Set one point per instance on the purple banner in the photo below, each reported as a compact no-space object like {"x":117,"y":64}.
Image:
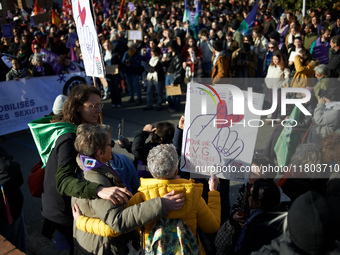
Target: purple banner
{"x":7,"y":31}
{"x":71,"y":40}
{"x":321,"y":53}
{"x":51,"y":58}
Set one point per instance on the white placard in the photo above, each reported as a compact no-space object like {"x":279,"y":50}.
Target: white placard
{"x":88,"y":38}
{"x":214,"y":139}
{"x":135,"y":35}
{"x":292,"y":55}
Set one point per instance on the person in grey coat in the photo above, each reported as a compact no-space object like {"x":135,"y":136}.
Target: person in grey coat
{"x":326,"y":117}
{"x":94,"y":145}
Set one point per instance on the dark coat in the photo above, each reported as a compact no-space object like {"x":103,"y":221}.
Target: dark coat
{"x":10,"y":179}
{"x":334,"y":63}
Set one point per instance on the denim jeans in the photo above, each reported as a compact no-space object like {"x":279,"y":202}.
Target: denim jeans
{"x":152,"y":85}
{"x":132,"y":81}
{"x":174,"y":101}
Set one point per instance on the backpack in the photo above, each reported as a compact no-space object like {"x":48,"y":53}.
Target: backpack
{"x":171,"y":236}
{"x":35,"y":180}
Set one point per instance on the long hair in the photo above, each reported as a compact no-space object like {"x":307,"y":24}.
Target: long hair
{"x":76,"y":98}
{"x":282,"y":61}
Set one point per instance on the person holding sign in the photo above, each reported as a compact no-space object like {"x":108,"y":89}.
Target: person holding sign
{"x":112,"y":61}
{"x":174,"y":76}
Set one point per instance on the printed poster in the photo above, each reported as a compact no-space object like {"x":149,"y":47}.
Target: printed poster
{"x":88,"y":38}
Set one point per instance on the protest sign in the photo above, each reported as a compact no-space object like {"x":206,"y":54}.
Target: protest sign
{"x":135,"y":35}
{"x":131,"y":6}
{"x":51,"y":58}
{"x":321,"y":53}
{"x":173,"y":90}
{"x":41,"y":18}
{"x":113,"y":69}
{"x":292,"y":55}
{"x":71,"y":40}
{"x":29,"y":99}
{"x":88,"y":38}
{"x":7,"y":30}
{"x":214,"y":139}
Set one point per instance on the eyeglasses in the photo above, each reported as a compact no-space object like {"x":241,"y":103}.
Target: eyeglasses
{"x":112,"y":144}
{"x":270,"y":47}
{"x":95,"y":106}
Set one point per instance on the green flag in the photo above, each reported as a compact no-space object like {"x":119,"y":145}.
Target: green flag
{"x":45,"y":134}
{"x":288,"y":140}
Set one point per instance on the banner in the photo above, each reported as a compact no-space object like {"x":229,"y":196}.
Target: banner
{"x":88,"y":38}
{"x":248,"y":22}
{"x":214,"y":139}
{"x":7,"y":31}
{"x":51,"y":58}
{"x":29,"y":99}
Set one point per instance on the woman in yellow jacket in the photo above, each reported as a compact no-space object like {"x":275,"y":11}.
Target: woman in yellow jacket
{"x":304,"y":69}
{"x":162,"y":164}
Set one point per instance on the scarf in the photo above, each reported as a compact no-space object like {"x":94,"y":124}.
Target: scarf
{"x":216,"y":57}
{"x":283,"y":29}
{"x":90,"y":163}
{"x":45,"y":134}
{"x":131,"y":52}
{"x":19,"y":73}
{"x":153,"y":75}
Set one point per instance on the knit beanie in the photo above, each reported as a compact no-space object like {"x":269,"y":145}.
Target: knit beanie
{"x":310,"y":224}
{"x":58,"y":104}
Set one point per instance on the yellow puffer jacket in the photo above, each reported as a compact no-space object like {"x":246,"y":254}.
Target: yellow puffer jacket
{"x":303,"y":72}
{"x":195,"y":211}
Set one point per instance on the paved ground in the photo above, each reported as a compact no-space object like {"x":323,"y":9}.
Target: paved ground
{"x":21,"y":146}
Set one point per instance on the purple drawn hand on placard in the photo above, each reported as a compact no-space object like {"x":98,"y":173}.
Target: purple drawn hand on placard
{"x":222,"y":145}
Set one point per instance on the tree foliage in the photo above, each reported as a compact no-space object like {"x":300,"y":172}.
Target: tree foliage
{"x":310,"y":4}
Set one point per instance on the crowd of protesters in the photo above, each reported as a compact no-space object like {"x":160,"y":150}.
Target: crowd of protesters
{"x":283,"y":47}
